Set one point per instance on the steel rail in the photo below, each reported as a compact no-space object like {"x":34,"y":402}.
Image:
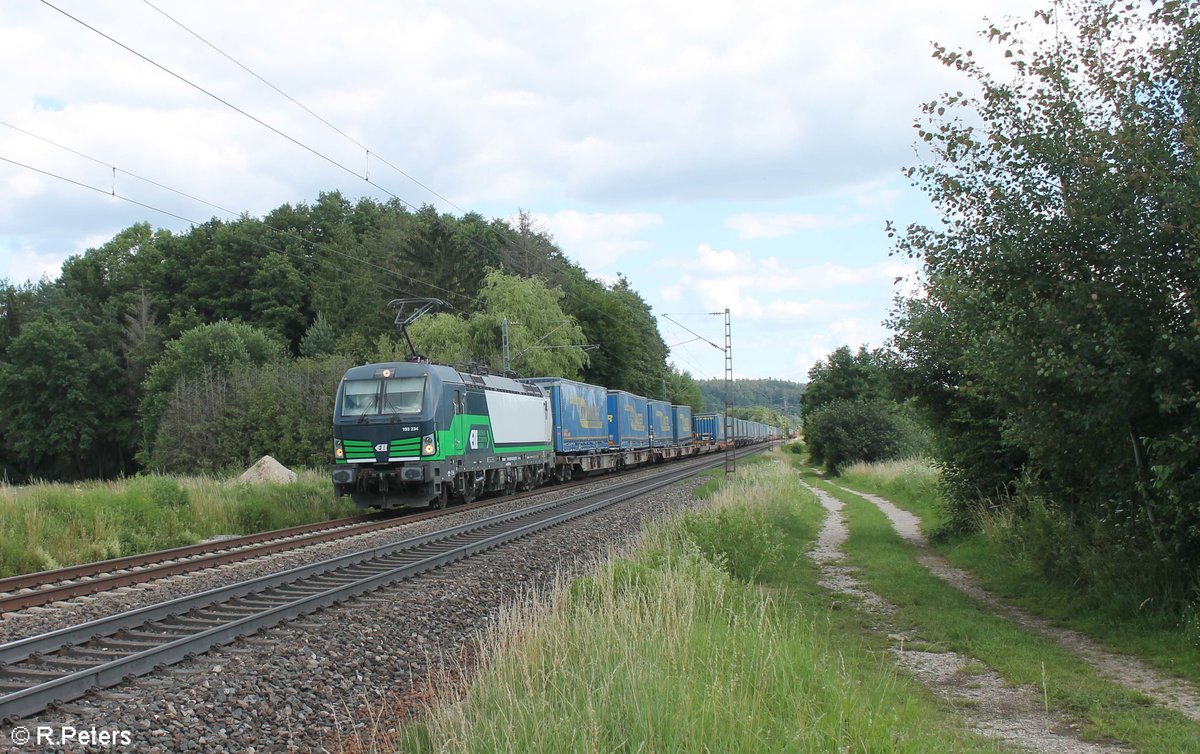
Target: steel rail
{"x":512,"y":525}
{"x":44,"y":587}
{"x":83,"y":570}
{"x":20,"y":649}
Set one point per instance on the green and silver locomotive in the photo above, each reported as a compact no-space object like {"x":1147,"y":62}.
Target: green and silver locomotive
{"x":410,"y":434}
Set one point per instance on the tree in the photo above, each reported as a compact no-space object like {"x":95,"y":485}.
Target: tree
{"x":278,"y":299}
{"x":843,"y":376}
{"x":631,"y":354}
{"x":215,"y":348}
{"x":58,"y":421}
{"x":1059,"y":308}
{"x":849,"y":415}
{"x":781,"y":396}
{"x":682,"y":390}
{"x":443,"y":338}
{"x":438,"y":251}
{"x":147,"y":287}
{"x":842,"y":432}
{"x":543,"y":340}
{"x":319,"y":339}
{"x":215,"y":421}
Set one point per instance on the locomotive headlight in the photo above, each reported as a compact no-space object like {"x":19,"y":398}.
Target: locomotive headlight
{"x":338,"y":451}
{"x":428,"y":446}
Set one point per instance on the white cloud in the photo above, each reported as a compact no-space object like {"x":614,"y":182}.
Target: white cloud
{"x":599,"y":240}
{"x":723,"y":262}
{"x":21,"y":263}
{"x":723,"y":272}
{"x":751,"y":226}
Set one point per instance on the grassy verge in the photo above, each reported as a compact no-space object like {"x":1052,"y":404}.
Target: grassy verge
{"x":712,"y":636}
{"x":45,"y":526}
{"x":999,"y":558}
{"x":912,"y":484}
{"x":944,"y":616}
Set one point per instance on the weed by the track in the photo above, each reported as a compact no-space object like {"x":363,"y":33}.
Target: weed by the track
{"x":45,"y":526}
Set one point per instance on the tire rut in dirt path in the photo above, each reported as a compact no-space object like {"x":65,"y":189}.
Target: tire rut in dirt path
{"x":991,"y":707}
{"x":1130,"y":672}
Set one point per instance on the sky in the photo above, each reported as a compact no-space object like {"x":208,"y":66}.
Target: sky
{"x":743,"y":156}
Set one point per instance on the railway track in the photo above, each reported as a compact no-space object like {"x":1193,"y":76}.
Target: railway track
{"x":65,"y":664}
{"x":42,"y":587}
{"x":45,"y":587}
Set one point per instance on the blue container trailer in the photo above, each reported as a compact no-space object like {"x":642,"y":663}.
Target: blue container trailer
{"x":659,"y":418}
{"x":709,"y":427}
{"x":627,"y":427}
{"x":682,"y":422}
{"x":580,"y":413}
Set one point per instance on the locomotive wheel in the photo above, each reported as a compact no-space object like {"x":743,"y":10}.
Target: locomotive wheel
{"x":471,"y":491}
{"x":439,"y":502}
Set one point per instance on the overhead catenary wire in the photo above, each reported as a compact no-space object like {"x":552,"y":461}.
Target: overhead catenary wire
{"x":232,"y":213}
{"x":106,"y":192}
{"x":693,"y":332}
{"x":682,"y":355}
{"x":368,"y":151}
{"x":116,"y":169}
{"x":354,"y":141}
{"x":302,"y":106}
{"x":263,"y":123}
{"x":295,"y":141}
{"x":113,"y":193}
{"x":254,"y":241}
{"x":225,"y":102}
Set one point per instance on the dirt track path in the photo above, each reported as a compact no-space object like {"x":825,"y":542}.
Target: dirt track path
{"x":1175,"y":693}
{"x":1013,"y":715}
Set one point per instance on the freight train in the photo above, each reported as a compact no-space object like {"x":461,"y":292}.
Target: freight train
{"x":415,"y":434}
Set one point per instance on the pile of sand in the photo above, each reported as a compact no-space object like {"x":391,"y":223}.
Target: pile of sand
{"x":267,"y":469}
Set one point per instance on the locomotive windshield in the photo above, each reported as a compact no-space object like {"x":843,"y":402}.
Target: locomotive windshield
{"x":395,"y":395}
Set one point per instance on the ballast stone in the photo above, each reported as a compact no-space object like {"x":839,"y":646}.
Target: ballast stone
{"x":267,"y":469}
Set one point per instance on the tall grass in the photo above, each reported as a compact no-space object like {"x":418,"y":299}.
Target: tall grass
{"x":914,"y":480}
{"x":44,"y":526}
{"x":707,"y":638}
{"x":1078,"y":571}
{"x":944,"y":616}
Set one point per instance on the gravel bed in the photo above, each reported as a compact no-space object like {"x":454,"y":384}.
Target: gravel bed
{"x":38,"y":620}
{"x":336,"y":679}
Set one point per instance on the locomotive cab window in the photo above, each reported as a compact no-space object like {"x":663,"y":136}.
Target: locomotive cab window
{"x":402,"y":395}
{"x":397,"y":395}
{"x":360,"y":397}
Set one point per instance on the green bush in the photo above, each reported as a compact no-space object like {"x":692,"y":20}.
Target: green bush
{"x":848,"y":431}
{"x":215,"y":422}
{"x":1108,"y":570}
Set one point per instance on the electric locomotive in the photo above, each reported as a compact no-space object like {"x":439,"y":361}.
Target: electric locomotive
{"x":410,"y":434}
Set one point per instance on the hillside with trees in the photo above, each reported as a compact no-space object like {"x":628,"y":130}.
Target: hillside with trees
{"x":206,"y":349}
{"x":778,"y":400}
